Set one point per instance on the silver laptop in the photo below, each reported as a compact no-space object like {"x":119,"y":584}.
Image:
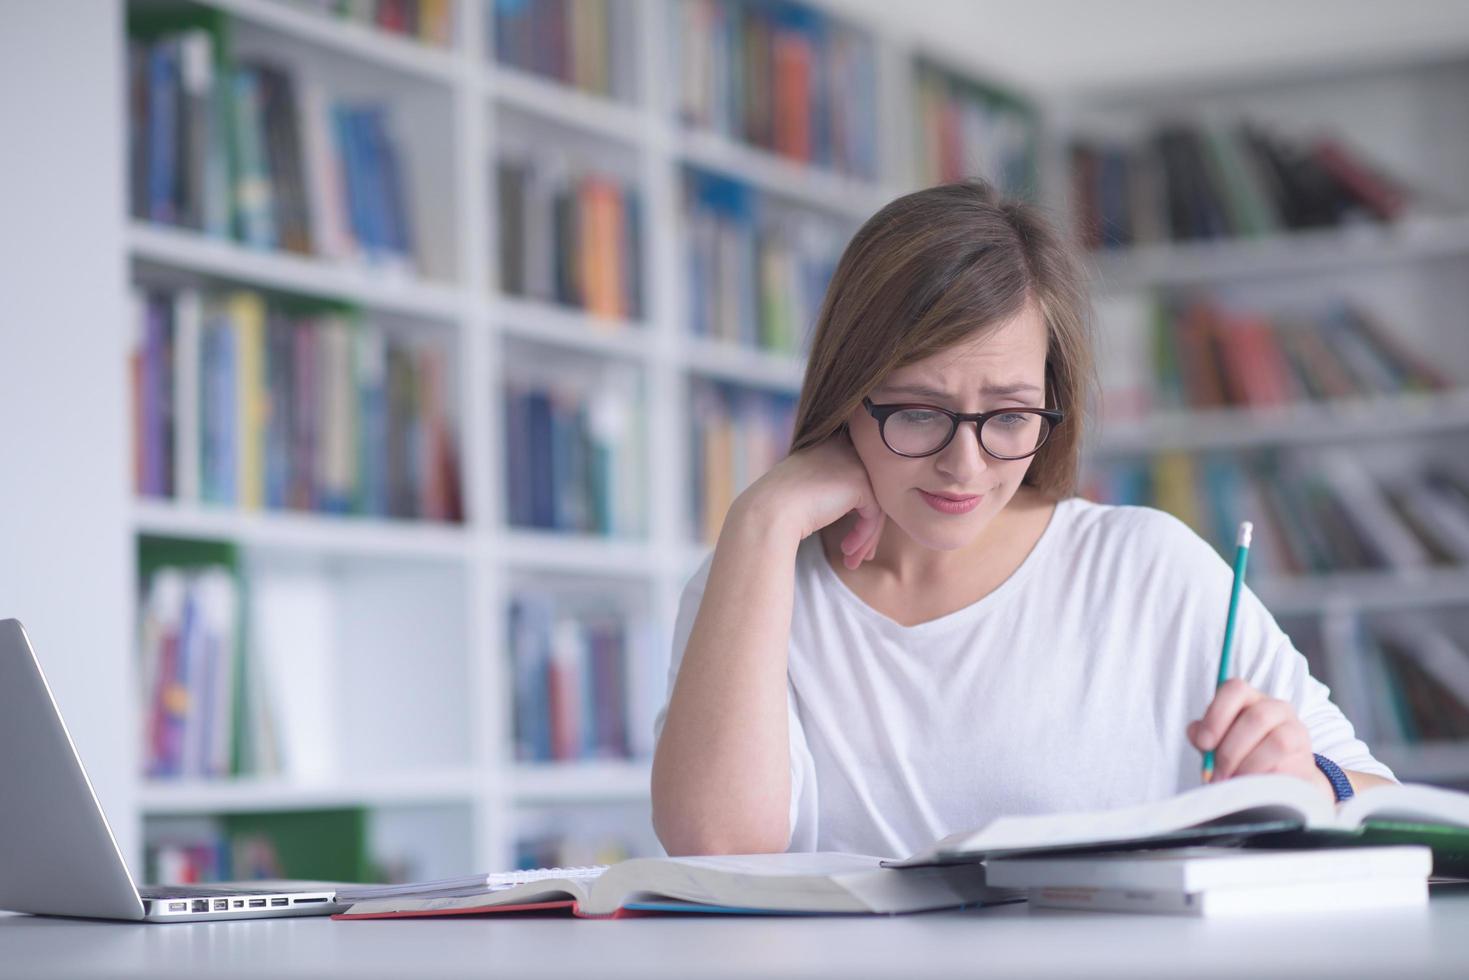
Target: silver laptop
{"x":57,"y":853}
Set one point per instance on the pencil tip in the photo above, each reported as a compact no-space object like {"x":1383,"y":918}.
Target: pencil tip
{"x":1208,"y":775}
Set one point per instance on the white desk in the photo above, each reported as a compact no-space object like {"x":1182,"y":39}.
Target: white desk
{"x":1004,"y":941}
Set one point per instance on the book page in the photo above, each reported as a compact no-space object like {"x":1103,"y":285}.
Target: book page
{"x":1242,"y":799}
{"x":1410,"y":804}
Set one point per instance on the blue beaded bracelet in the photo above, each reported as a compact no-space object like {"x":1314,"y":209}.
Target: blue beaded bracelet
{"x":1340,"y":785}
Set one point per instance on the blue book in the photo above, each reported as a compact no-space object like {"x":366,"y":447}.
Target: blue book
{"x":164,"y":87}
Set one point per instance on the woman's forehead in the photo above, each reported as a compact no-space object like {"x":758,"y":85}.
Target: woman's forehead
{"x":1007,"y":353}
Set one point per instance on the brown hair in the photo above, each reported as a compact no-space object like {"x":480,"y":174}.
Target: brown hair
{"x":926,"y":272}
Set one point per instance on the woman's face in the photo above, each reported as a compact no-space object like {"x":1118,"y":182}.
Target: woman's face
{"x":1004,"y":367}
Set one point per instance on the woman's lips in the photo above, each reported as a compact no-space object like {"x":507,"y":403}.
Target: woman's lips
{"x":951,"y":505}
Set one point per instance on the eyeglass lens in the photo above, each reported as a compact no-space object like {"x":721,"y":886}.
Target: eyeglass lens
{"x":917,"y":432}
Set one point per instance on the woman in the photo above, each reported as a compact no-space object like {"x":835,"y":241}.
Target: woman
{"x":911,"y":625}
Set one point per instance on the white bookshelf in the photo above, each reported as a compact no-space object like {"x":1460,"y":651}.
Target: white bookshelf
{"x":385,"y":577}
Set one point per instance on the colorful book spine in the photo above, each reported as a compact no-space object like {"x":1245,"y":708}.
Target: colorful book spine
{"x":572,"y":680}
{"x":968,"y":129}
{"x":571,"y":239}
{"x":575,"y":456}
{"x":782,"y":76}
{"x":757,"y":273}
{"x":736,"y":435}
{"x":240,"y":404}
{"x":1194,"y":181}
{"x":245,"y":152}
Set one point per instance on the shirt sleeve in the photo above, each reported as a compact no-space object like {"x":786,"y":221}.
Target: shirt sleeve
{"x":803,"y":790}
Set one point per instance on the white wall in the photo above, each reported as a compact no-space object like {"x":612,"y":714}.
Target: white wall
{"x":65,"y":562}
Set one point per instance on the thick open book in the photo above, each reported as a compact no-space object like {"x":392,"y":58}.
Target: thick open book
{"x":767,"y":883}
{"x":1239,"y":807}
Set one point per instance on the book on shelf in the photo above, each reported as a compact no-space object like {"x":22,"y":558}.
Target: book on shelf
{"x":1402,"y":680}
{"x":1187,"y":180}
{"x":574,"y":453}
{"x":966,"y":128}
{"x":736,"y":434}
{"x":1200,"y":354}
{"x":428,"y":21}
{"x":583,"y":682}
{"x":757,"y":270}
{"x":820,"y":883}
{"x":322,"y":845}
{"x":569,"y":236}
{"x":243,"y":149}
{"x":782,"y":76}
{"x":241,"y":401}
{"x":1211,"y":881}
{"x":587,"y":44}
{"x":1316,"y":511}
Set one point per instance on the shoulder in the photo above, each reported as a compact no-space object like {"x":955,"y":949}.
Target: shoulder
{"x":1139,"y":537}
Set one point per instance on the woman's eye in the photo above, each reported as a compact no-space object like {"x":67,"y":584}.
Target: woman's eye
{"x":915,"y":417}
{"x":1012,"y":418}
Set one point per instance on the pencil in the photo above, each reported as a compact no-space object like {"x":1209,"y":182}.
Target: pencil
{"x":1241,"y":558}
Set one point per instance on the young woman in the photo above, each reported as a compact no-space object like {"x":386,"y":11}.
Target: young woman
{"x":911,"y":625}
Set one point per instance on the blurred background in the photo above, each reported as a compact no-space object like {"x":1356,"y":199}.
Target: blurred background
{"x":375,"y":372}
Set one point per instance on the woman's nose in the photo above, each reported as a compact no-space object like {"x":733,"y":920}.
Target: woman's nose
{"x":963,"y":458}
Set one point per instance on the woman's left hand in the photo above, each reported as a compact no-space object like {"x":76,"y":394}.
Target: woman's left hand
{"x":1252,"y":733}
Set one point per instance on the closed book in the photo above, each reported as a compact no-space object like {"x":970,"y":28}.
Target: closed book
{"x":1308,"y":898}
{"x":1197,"y":869}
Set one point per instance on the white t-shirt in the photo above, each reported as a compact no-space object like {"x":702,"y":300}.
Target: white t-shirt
{"x":1067,"y":688}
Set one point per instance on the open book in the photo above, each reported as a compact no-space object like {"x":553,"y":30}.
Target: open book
{"x":1239,"y":807}
{"x":769,"y":883}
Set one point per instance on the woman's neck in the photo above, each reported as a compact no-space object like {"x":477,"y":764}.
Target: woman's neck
{"x":904,"y":563}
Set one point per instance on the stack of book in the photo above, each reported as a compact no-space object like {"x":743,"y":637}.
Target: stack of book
{"x":246,"y":152}
{"x":429,"y":21}
{"x":1314,"y":512}
{"x":241,"y":403}
{"x":736,"y":435}
{"x":1216,"y":881}
{"x":569,"y":238}
{"x":781,"y":76}
{"x":1201,"y":354}
{"x":968,"y":129}
{"x":583,"y":687}
{"x":1193,"y":181}
{"x":574,"y":454}
{"x":757,"y":271}
{"x":583,"y":43}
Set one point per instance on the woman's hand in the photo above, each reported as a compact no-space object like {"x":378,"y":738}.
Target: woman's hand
{"x":818,"y":486}
{"x":1252,"y":733}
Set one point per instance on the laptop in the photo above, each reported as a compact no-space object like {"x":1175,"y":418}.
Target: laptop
{"x":57,"y":852}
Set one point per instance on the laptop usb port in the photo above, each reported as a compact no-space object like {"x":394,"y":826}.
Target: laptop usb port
{"x":257,"y":903}
{"x":200,"y":905}
{"x":178,"y":906}
{"x":279,"y":901}
{"x":239,"y":903}
{"x":221,"y":905}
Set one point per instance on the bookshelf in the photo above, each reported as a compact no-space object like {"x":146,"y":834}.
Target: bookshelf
{"x":414,"y":613}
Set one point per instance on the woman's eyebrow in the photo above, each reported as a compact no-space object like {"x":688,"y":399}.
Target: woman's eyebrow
{"x":927,"y":391}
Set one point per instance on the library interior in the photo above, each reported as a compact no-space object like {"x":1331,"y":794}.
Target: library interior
{"x":375,"y":375}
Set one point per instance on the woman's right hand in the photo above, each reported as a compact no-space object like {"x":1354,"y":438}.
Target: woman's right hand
{"x":818,"y":486}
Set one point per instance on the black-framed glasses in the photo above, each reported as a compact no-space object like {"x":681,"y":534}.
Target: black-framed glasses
{"x":922,"y":430}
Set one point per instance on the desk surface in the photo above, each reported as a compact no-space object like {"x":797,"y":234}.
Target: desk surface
{"x":1002,"y":941}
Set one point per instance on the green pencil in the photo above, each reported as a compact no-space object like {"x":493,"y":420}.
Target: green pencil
{"x":1241,"y":557}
